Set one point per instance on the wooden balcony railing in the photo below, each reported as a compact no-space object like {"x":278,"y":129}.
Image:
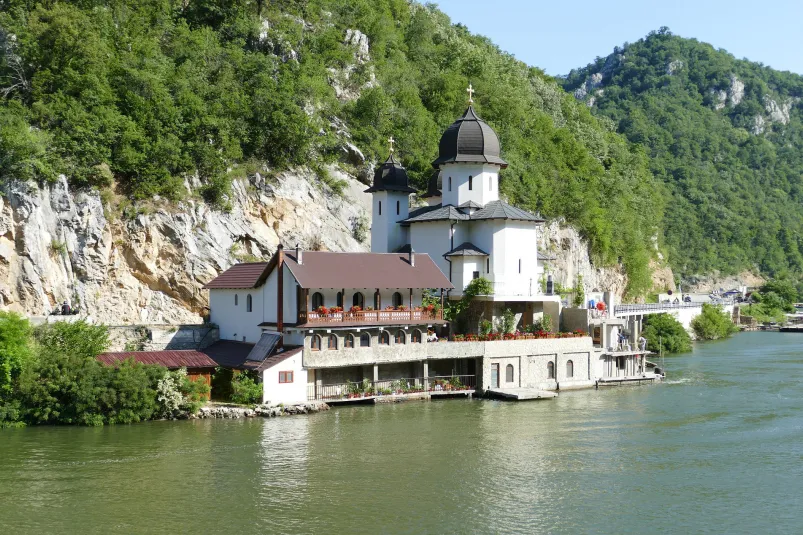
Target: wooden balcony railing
{"x":370,"y":316}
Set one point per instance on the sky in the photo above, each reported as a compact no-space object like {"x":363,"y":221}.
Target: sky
{"x":558,"y":36}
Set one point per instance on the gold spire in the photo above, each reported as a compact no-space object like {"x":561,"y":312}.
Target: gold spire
{"x":470,"y":92}
{"x":391,"y":141}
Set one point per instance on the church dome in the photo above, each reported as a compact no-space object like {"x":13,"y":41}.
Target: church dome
{"x":434,"y":186}
{"x":469,"y":140}
{"x":391,"y":176}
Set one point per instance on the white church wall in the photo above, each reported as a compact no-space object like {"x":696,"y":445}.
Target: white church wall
{"x":515,"y":262}
{"x":484,"y":183}
{"x":433,"y":239}
{"x":234,"y":321}
{"x":386,"y":234}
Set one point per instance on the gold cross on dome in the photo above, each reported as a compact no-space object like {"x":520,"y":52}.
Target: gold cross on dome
{"x":470,"y":92}
{"x":391,"y":141}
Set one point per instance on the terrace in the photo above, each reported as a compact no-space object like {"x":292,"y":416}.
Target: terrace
{"x":394,"y":389}
{"x":358,"y":316}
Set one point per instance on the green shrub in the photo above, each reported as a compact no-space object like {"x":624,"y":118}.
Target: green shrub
{"x":665,"y":333}
{"x":245,"y":389}
{"x":713,"y":323}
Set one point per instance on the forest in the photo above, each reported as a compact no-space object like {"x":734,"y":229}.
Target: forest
{"x":170,"y":100}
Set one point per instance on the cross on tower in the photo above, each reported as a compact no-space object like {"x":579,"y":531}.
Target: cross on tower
{"x":391,"y":141}
{"x":470,"y":92}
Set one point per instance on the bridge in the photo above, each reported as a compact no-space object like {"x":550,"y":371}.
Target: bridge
{"x":683,"y":312}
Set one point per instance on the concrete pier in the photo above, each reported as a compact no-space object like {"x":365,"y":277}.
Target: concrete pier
{"x":520,"y":394}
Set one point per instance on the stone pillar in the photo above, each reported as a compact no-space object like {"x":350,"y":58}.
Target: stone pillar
{"x":376,"y":372}
{"x":425,"y":366}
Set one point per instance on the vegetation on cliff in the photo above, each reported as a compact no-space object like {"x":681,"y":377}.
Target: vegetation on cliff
{"x":175,"y":99}
{"x":726,"y":138}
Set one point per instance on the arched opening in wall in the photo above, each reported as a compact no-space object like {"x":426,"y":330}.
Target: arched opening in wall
{"x":401,"y":338}
{"x":509,"y":373}
{"x":450,"y":183}
{"x":384,"y":338}
{"x":332,"y":341}
{"x":470,"y":182}
{"x":570,"y":369}
{"x":236,"y":299}
{"x":339,"y":300}
{"x":365,"y":340}
{"x":317,"y":300}
{"x":397,"y":299}
{"x":348,"y":342}
{"x":398,"y":207}
{"x":248,"y":303}
{"x":550,"y":370}
{"x":380,"y":207}
{"x":417,"y":336}
{"x":358,"y":300}
{"x":315,"y":343}
{"x":487,"y":265}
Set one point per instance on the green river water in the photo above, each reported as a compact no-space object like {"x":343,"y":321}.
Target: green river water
{"x":718,"y":448}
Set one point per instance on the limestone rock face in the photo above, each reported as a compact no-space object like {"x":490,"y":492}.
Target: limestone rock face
{"x":57,"y":245}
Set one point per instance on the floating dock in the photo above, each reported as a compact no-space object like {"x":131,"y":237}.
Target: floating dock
{"x":520,"y":394}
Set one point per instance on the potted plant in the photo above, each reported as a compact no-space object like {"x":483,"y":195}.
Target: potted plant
{"x":322,"y":310}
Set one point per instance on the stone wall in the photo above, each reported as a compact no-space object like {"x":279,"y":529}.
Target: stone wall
{"x":161,"y":337}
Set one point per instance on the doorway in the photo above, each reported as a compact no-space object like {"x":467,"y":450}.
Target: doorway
{"x":494,"y":375}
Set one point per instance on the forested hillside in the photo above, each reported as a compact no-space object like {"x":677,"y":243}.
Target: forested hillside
{"x":176,"y":99}
{"x":724,"y":135}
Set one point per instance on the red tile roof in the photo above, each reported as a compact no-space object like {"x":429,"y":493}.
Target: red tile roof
{"x":246,"y":275}
{"x":170,"y":359}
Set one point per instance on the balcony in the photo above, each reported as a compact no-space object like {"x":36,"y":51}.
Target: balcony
{"x":369,"y":317}
{"x":394,"y":388}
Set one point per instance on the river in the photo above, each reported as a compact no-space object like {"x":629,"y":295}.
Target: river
{"x":717,"y":448}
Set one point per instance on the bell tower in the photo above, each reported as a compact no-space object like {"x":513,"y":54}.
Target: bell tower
{"x":390,"y":204}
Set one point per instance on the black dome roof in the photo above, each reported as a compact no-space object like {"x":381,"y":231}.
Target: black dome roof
{"x":391,"y":176}
{"x":469,"y":139}
{"x":434,"y":186}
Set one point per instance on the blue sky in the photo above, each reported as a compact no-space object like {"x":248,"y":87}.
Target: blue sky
{"x":560,"y":35}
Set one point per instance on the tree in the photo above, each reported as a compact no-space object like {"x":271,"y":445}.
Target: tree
{"x":713,"y":323}
{"x":665,"y":333}
{"x":15,"y":354}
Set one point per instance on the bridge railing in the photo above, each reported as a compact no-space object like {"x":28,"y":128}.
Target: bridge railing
{"x":661,"y":307}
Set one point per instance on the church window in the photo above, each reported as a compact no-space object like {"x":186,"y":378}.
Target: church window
{"x":248,"y":303}
{"x":398,"y":207}
{"x":235,"y":299}
{"x":315,"y":343}
{"x":470,"y":182}
{"x":348,"y":342}
{"x":358,"y":300}
{"x":365,"y":340}
{"x":400,"y":338}
{"x":380,"y":207}
{"x":317,"y":300}
{"x":332,"y":341}
{"x":509,"y":373}
{"x":570,"y":369}
{"x":550,"y":370}
{"x":397,"y":299}
{"x":384,"y":338}
{"x":450,"y":183}
{"x":475,"y":275}
{"x":339,"y":300}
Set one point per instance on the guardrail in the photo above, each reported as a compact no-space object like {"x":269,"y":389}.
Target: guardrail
{"x":366,"y":389}
{"x":660,"y":307}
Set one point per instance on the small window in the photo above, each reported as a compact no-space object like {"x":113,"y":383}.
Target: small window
{"x":339,"y":300}
{"x":398,"y":207}
{"x":380,"y":207}
{"x":470,"y":182}
{"x":358,"y":300}
{"x":416,"y":338}
{"x":450,"y":183}
{"x":397,"y":299}
{"x":570,"y":369}
{"x":550,"y":370}
{"x":317,"y":300}
{"x":384,"y":338}
{"x":519,"y":265}
{"x":365,"y":340}
{"x":315,"y":343}
{"x":475,"y":275}
{"x":349,"y":341}
{"x":401,"y":338}
{"x":285,"y":377}
{"x":248,"y":303}
{"x":487,"y":265}
{"x":490,"y":184}
{"x":509,"y":373}
{"x":332,"y":341}
{"x":236,"y":298}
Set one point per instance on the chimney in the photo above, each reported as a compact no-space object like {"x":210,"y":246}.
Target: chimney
{"x":412,"y":257}
{"x":299,"y":260}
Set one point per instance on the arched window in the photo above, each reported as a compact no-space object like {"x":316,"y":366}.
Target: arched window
{"x":570,"y":369}
{"x":487,"y":265}
{"x":339,"y":300}
{"x":398,"y":207}
{"x":332,"y":341}
{"x":397,"y":299}
{"x":416,"y":338}
{"x":317,"y":300}
{"x":315,"y":343}
{"x":349,"y":341}
{"x":470,"y":182}
{"x":377,"y":300}
{"x":509,"y":373}
{"x":450,"y":183}
{"x":380,"y":207}
{"x":365,"y":340}
{"x":248,"y":303}
{"x":401,"y":338}
{"x":384,"y":338}
{"x":358,"y":300}
{"x":236,"y":298}
{"x":550,"y":370}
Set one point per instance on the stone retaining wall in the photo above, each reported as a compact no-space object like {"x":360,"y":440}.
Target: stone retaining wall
{"x":264,"y":411}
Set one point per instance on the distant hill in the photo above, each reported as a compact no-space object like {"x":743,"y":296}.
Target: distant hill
{"x":726,"y":138}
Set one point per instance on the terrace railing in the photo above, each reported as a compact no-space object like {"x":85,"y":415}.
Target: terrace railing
{"x":410,"y":386}
{"x":370,"y":316}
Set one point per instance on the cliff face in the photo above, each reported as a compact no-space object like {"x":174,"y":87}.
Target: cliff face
{"x":58,"y":245}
